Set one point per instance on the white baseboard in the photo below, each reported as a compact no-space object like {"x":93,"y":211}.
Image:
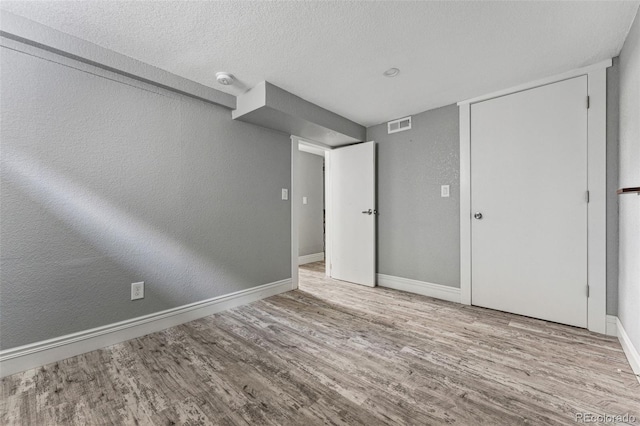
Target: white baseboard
{"x":611,"y":326}
{"x":437,"y":291}
{"x":310,"y":258}
{"x":37,"y":354}
{"x":629,"y":350}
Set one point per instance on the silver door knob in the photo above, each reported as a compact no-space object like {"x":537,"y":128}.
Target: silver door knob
{"x":478,"y":215}
{"x":369,"y":212}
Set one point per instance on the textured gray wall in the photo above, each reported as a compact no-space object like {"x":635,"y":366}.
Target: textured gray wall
{"x":310,"y":184}
{"x":629,"y":204}
{"x":613,"y":83}
{"x":105,"y":183}
{"x":418,"y":231}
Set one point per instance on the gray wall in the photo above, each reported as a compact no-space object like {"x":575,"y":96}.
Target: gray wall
{"x":613,"y":84}
{"x":311,"y":217}
{"x":108,"y":182}
{"x":418,"y":231}
{"x":629,"y":204}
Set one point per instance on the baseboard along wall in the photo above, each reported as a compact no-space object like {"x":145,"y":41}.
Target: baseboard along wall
{"x":632,"y":353}
{"x":310,"y":258}
{"x":36,"y":354}
{"x":438,"y":291}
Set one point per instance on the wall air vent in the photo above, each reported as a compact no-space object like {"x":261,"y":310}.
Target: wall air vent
{"x":399,"y":125}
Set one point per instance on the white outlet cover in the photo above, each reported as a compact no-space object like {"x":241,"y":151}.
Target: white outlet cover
{"x":285,"y":194}
{"x":304,"y":200}
{"x":444,"y":191}
{"x":137,"y":290}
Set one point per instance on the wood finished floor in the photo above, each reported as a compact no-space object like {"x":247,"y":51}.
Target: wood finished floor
{"x":336,"y":353}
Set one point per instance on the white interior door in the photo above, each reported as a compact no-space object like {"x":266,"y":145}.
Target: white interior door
{"x":529,"y":183}
{"x":353,"y":206}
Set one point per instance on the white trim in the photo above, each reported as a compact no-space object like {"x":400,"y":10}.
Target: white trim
{"x":629,"y":350}
{"x":313,"y":147}
{"x":310,"y":149}
{"x":314,"y":144}
{"x":328,"y":208}
{"x":424,"y":288}
{"x":541,"y":82}
{"x":597,"y":207}
{"x":596,"y":74}
{"x":310,"y":258}
{"x":31,"y":33}
{"x":465,"y":204}
{"x":612,"y":326}
{"x":37,"y":354}
{"x":295,"y":152}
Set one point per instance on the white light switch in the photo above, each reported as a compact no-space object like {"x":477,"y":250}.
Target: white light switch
{"x":304,"y":200}
{"x":137,"y":290}
{"x":285,"y":194}
{"x":444,"y":190}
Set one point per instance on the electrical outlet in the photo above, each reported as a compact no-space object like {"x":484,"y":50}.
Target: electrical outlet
{"x":444,"y":190}
{"x":285,"y":194}
{"x":137,"y":290}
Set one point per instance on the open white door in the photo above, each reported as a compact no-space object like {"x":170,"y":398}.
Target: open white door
{"x":353,"y":255}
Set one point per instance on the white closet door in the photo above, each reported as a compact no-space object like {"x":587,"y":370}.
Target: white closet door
{"x":529,"y":184}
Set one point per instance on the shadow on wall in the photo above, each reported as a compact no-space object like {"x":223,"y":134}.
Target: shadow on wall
{"x":125,"y":239}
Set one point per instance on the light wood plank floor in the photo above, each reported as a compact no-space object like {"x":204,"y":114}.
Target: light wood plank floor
{"x":336,"y":353}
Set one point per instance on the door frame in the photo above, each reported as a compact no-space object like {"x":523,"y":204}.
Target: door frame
{"x":597,"y":180}
{"x":296,"y":143}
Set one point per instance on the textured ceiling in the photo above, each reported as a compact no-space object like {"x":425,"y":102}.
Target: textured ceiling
{"x":334,"y":53}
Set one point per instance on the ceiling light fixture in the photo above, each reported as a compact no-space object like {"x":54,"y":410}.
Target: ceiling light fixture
{"x":224,"y":78}
{"x":391,"y":72}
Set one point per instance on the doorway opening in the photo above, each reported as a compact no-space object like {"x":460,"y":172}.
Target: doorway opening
{"x":311,"y":188}
{"x":310,"y":208}
{"x":333,"y":210}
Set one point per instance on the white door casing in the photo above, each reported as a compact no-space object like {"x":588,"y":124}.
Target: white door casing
{"x":529,"y":183}
{"x":353,"y":232}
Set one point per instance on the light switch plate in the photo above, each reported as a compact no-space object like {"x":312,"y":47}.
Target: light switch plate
{"x":444,"y":191}
{"x":285,"y":194}
{"x":137,"y":290}
{"x":304,"y":200}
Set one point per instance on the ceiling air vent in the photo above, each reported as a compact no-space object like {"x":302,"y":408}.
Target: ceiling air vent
{"x":399,"y":125}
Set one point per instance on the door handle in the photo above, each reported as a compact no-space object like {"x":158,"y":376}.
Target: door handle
{"x":369,"y":212}
{"x":478,"y":215}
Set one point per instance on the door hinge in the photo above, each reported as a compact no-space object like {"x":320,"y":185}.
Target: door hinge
{"x":587,"y":196}
{"x":587,"y":291}
{"x":588,"y":102}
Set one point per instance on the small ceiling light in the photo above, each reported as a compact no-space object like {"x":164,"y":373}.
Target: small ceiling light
{"x":391,"y":72}
{"x":224,"y":78}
